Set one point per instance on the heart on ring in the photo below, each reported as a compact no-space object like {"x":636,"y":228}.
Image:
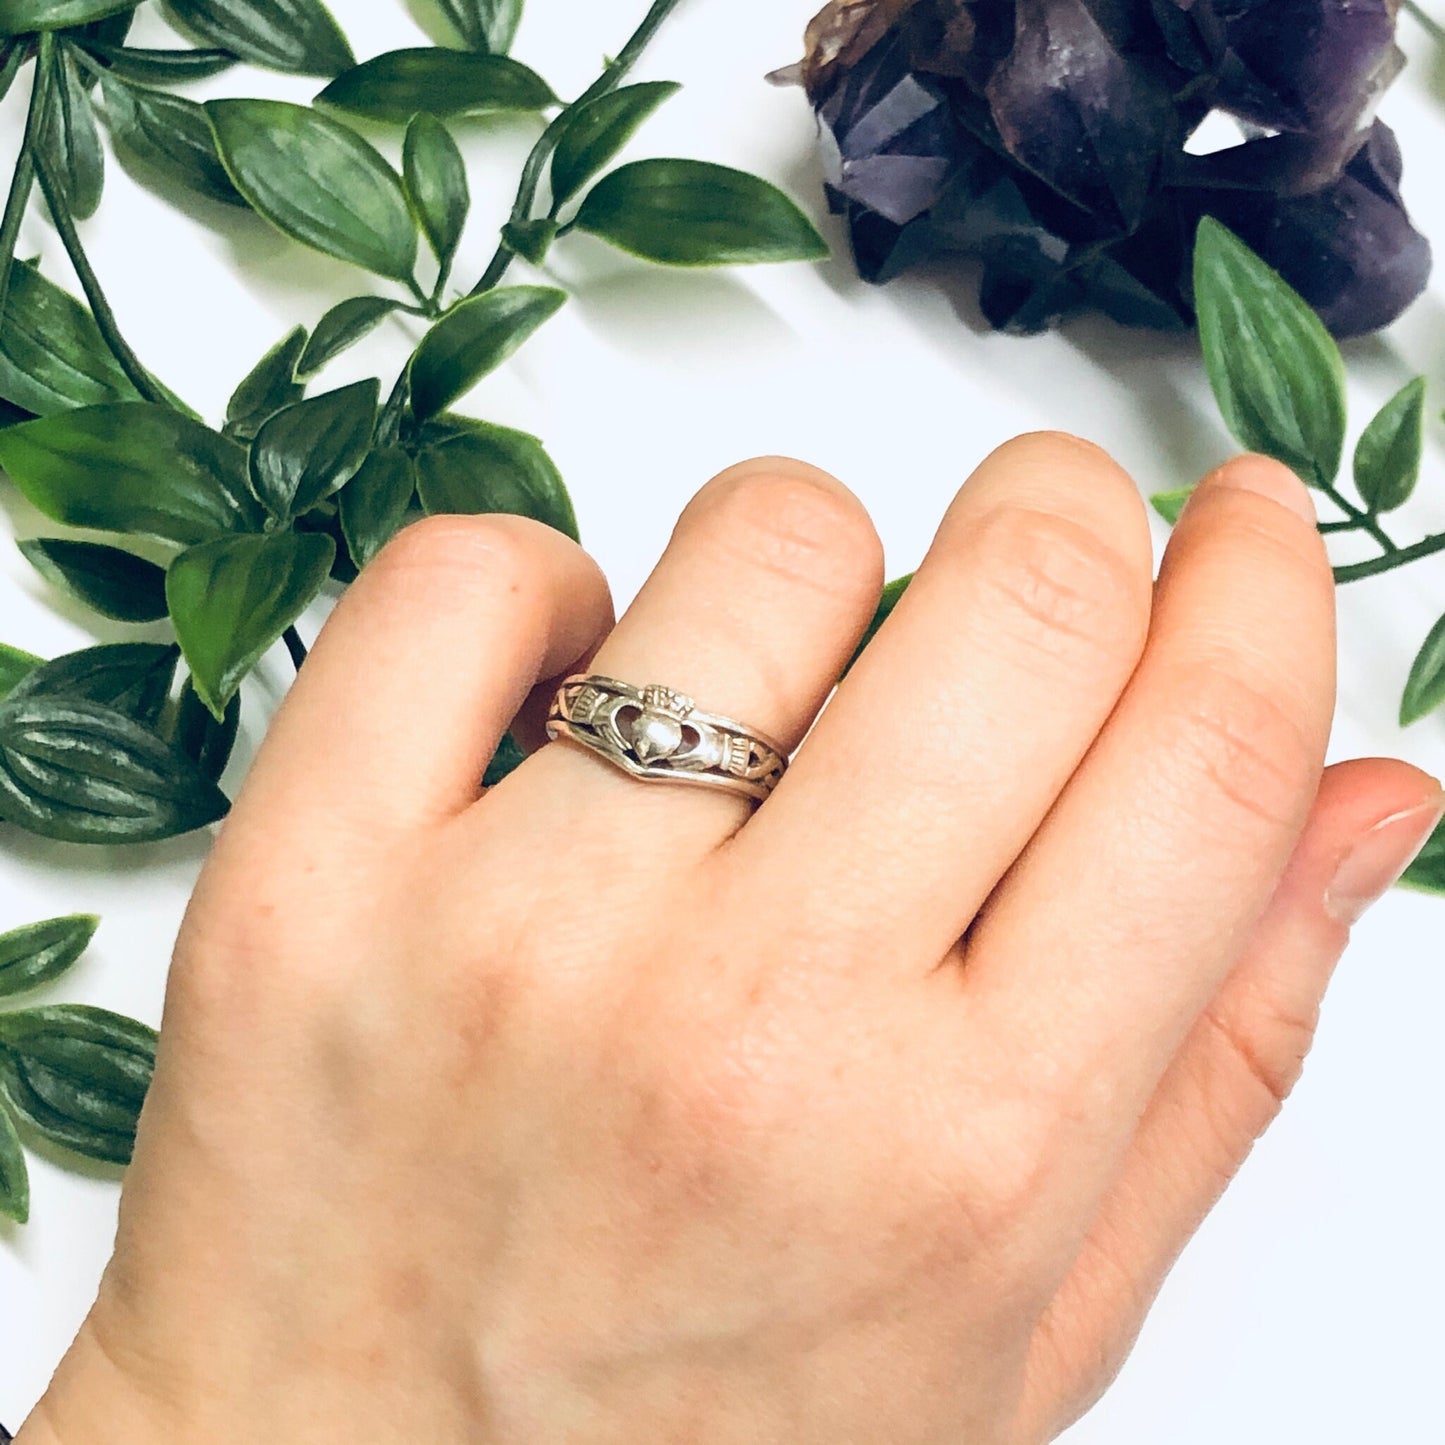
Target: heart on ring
{"x":655,"y":735}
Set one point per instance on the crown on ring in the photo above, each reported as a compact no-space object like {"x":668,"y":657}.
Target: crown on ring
{"x":666,"y":702}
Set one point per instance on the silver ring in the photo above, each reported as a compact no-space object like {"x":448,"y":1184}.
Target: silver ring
{"x":661,"y":736}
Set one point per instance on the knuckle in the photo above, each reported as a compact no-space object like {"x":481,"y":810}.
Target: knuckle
{"x":796,"y":523}
{"x":1263,"y":1058}
{"x":1061,"y":582}
{"x":1247,"y":744}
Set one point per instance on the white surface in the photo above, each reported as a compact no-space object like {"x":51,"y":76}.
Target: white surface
{"x":1308,"y":1310}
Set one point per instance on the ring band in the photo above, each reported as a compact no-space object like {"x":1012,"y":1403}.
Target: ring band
{"x":660,"y":736}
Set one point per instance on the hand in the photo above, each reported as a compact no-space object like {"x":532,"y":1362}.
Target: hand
{"x":594,"y":1112}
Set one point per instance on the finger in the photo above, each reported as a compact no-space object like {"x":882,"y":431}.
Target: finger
{"x":1227,"y":1083}
{"x":948,"y":743}
{"x":1121,"y":919}
{"x":771,"y":577}
{"x":418,"y":672}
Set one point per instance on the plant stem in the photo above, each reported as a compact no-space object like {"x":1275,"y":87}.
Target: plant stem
{"x":1427,"y":22}
{"x":23,"y":181}
{"x":1400,"y":557}
{"x":295,"y":647}
{"x":1359,"y":519}
{"x":609,"y":80}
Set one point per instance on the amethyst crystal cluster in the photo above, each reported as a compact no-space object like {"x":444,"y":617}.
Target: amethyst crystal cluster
{"x":1052,"y":140}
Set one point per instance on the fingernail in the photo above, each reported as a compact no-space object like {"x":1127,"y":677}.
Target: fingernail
{"x":1269,"y":479}
{"x":1374,"y":865}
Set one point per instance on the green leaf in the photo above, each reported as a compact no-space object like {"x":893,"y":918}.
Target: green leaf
{"x":296,"y":36}
{"x":1170,"y":505}
{"x":52,"y":355}
{"x":15,"y":665}
{"x":1425,"y":690}
{"x":318,"y":181}
{"x":169,"y":135}
{"x":14,"y":1176}
{"x":1387,"y":460}
{"x":342,"y":327}
{"x":165,"y":475}
{"x":310,"y":450}
{"x":133,"y":678}
{"x":41,"y":952}
{"x":113,"y":582}
{"x":80,"y":772}
{"x":1276,"y":372}
{"x":594,"y":133}
{"x":161,"y":67}
{"x":17,"y":17}
{"x":374,"y":503}
{"x":70,"y":141}
{"x":531,"y":239}
{"x":435,"y":177}
{"x":692,"y":213}
{"x":892,"y":596}
{"x":399,"y":84}
{"x":1427,"y":873}
{"x":78,"y":1076}
{"x":474,"y":339}
{"x":488,"y":468}
{"x":486,"y":25}
{"x":507,"y":759}
{"x":206,"y":740}
{"x":269,"y":386}
{"x":231,"y":600}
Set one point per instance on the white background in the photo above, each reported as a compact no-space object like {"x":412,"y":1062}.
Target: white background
{"x":1308,"y":1310}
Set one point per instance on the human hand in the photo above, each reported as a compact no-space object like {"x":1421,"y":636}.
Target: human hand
{"x":597,"y":1112}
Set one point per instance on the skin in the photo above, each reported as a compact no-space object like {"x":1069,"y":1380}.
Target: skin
{"x":587,"y":1111}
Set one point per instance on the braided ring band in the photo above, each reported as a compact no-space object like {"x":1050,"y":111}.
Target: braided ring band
{"x":660,"y":736}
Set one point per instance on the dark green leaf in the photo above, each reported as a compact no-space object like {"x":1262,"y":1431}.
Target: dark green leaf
{"x":70,"y":140}
{"x":317,"y":181}
{"x":397,"y":85}
{"x":170,"y":135}
{"x":52,"y":355}
{"x":19,"y":16}
{"x":208,"y":742}
{"x":297,"y":36}
{"x":1387,"y":460}
{"x":475,"y":339}
{"x":342,"y":327}
{"x":113,"y":582}
{"x":531,"y":239}
{"x":131,"y":677}
{"x":486,"y":25}
{"x":1427,"y":873}
{"x":14,"y":1176}
{"x":594,"y":133}
{"x":1276,"y":372}
{"x":270,"y":385}
{"x":507,"y":759}
{"x":493,"y":469}
{"x":310,"y":450}
{"x":80,"y":772}
{"x":231,"y":600}
{"x":12,"y":415}
{"x":692,"y":213}
{"x":892,"y":596}
{"x":112,"y":30}
{"x":1425,"y":691}
{"x":1170,"y":505}
{"x":14,"y":665}
{"x":78,"y":1076}
{"x":40,"y":952}
{"x":435,"y":177}
{"x":165,"y":475}
{"x":374,"y":502}
{"x":161,"y":67}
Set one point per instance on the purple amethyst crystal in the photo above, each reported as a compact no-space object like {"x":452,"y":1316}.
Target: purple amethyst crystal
{"x":1050,"y":139}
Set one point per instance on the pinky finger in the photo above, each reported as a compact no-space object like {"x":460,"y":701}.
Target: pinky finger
{"x":1228,"y":1082}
